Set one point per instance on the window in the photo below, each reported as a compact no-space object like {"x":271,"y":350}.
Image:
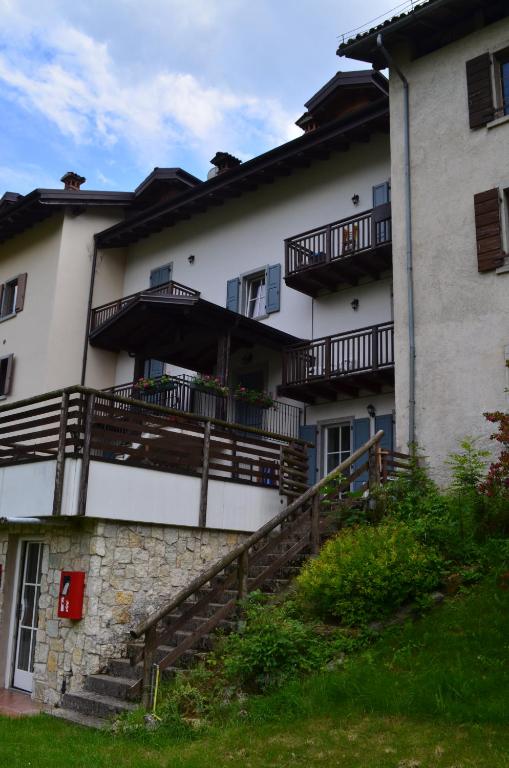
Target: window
{"x":337,"y":445}
{"x":254,"y":296}
{"x":6,"y":368}
{"x":12,"y":296}
{"x":503,"y":84}
{"x":488,"y":87}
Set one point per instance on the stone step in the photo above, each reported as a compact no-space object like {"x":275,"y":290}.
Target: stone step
{"x":72,"y":716}
{"x":111,"y":685}
{"x":96,"y":704}
{"x":124,"y":668}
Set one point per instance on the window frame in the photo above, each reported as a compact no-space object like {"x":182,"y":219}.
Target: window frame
{"x":247,"y":280}
{"x":501,"y":59}
{"x":6,"y":378}
{"x":342,"y":453}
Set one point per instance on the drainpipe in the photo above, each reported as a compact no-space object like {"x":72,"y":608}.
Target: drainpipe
{"x":89,"y":315}
{"x":408,"y":236}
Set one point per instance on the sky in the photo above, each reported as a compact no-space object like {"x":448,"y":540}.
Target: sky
{"x":112,"y":88}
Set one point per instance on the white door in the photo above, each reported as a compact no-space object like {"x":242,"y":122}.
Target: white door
{"x":27,"y":613}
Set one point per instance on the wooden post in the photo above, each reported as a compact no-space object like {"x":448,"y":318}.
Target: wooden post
{"x":374,"y":348}
{"x":60,"y":465}
{"x":243,"y":568}
{"x":148,"y":660}
{"x":378,"y":463}
{"x":328,"y":243}
{"x":315,"y":524}
{"x":85,"y":456}
{"x":374,"y":466}
{"x":327,"y":354}
{"x":223,"y":358}
{"x":202,"y":517}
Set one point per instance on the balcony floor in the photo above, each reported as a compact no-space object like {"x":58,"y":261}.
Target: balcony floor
{"x":342,"y":386}
{"x":349,"y":270}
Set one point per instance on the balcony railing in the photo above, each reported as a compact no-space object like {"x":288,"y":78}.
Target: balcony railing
{"x":182,"y":394}
{"x":339,"y":251}
{"x":106,"y":312}
{"x":344,"y":355}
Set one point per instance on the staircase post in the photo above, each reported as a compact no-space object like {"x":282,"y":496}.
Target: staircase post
{"x":243,"y":568}
{"x":148,"y":660}
{"x":315,"y":524}
{"x":374,"y":466}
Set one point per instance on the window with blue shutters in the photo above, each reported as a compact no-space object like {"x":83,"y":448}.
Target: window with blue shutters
{"x":256,"y":294}
{"x":161,"y":275}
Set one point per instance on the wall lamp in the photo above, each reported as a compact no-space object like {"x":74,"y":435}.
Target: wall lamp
{"x":355,"y":199}
{"x":191,"y":258}
{"x":355,"y":304}
{"x":371,"y":411}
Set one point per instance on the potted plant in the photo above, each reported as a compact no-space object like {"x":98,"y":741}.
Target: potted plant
{"x":212,"y":384}
{"x":254,"y":397}
{"x":147,"y":384}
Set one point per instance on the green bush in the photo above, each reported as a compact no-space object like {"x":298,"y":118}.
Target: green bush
{"x":274,"y":646}
{"x":365,"y":573}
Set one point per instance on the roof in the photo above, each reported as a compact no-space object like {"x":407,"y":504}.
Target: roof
{"x":427,"y":27}
{"x":18,"y":212}
{"x":182,"y":330}
{"x":281,"y":161}
{"x":357,"y":78}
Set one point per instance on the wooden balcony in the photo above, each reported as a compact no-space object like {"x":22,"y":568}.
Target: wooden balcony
{"x":345,"y":365}
{"x":107,"y":312}
{"x":343,"y":253}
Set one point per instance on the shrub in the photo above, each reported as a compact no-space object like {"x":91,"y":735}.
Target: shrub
{"x":467,"y":466}
{"x":365,"y":573}
{"x":497,"y":481}
{"x":274,"y":646}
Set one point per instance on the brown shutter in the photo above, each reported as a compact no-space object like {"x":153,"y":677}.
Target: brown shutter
{"x":488,"y":230}
{"x":8,"y":375}
{"x":481,"y":108}
{"x":20,"y":296}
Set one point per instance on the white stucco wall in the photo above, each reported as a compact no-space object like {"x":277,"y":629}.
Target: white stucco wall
{"x":461,"y":316}
{"x":48,"y":336}
{"x":26,"y":490}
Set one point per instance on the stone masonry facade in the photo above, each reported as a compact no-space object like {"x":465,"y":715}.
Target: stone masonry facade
{"x":131,"y":569}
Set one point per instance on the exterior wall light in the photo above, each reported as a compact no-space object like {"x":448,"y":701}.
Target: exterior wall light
{"x":190,"y":258}
{"x":355,"y":199}
{"x":355,"y":304}
{"x":371,"y":411}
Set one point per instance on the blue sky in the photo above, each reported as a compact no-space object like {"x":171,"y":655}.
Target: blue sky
{"x":112,"y":88}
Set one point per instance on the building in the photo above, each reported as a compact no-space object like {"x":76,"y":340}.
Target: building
{"x":256,"y":305}
{"x":453,"y":57}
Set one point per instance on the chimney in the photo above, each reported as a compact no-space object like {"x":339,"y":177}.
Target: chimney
{"x":72,"y":181}
{"x":224,"y":161}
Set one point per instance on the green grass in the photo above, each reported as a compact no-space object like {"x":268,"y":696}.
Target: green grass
{"x":427,"y":695}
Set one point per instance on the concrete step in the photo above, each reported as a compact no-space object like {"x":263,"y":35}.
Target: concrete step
{"x":87,"y":721}
{"x":114,"y":686}
{"x":96,"y":704}
{"x":124,"y":668}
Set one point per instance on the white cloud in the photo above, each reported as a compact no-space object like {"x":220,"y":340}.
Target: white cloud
{"x":71,"y":79}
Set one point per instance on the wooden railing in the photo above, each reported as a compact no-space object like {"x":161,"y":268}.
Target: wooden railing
{"x":297,"y":527}
{"x":338,"y":240}
{"x":365,"y":349}
{"x":107,"y":311}
{"x":85,"y":423}
{"x":182,"y":394}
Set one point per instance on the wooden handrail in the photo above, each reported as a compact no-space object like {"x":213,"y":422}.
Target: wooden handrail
{"x":344,"y":334}
{"x":124,"y":299}
{"x":235,"y":553}
{"x":323,"y":228}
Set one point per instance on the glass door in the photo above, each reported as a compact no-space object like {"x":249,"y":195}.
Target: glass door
{"x":27,"y":613}
{"x":337,"y":445}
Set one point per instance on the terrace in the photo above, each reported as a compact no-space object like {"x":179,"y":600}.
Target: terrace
{"x":346,"y":364}
{"x":342,"y":253}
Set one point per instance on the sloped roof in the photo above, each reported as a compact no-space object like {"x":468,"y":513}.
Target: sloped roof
{"x":427,"y":27}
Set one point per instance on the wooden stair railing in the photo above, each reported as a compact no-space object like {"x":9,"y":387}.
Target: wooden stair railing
{"x":299,"y":526}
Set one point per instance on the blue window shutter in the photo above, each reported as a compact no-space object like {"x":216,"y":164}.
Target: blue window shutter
{"x":361,"y":429}
{"x":308,"y":432}
{"x":381,"y":194}
{"x":385,"y":422}
{"x":233,"y":294}
{"x":160,"y":275}
{"x":273,"y":295}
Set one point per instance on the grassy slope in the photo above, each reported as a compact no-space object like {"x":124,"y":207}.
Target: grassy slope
{"x":429,"y":694}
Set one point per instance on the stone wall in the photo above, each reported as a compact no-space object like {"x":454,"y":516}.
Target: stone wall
{"x":130,"y":571}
